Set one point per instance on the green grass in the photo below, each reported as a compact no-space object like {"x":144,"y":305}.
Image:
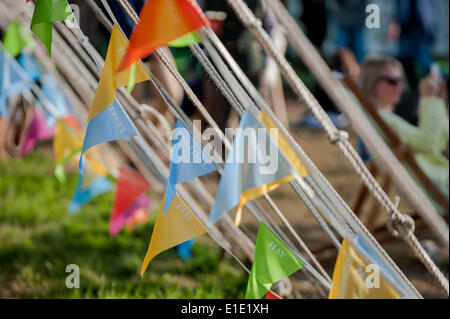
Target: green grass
{"x":39,"y":238}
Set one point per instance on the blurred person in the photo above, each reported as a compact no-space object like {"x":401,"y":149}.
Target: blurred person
{"x":383,"y":81}
{"x":413,"y":27}
{"x":350,"y":23}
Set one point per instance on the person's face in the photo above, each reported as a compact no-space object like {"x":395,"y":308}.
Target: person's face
{"x":389,"y":87}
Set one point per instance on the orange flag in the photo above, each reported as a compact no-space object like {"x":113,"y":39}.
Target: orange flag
{"x":162,"y":21}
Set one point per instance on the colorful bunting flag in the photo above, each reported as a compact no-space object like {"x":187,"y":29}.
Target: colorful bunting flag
{"x":188,"y":160}
{"x":129,"y":215}
{"x":245,"y":176}
{"x":186,"y":40}
{"x":52,"y":92}
{"x":69,"y":138}
{"x":109,"y":81}
{"x":109,"y":125}
{"x":273,"y":261}
{"x":83,"y":195}
{"x":17,"y":38}
{"x":350,"y":278}
{"x":45,"y":13}
{"x":162,"y":21}
{"x":178,"y":225}
{"x":30,"y":66}
{"x":13,"y":80}
{"x":271,"y":295}
{"x":129,"y":198}
{"x":38,"y":130}
{"x":185,"y":249}
{"x":284,"y":145}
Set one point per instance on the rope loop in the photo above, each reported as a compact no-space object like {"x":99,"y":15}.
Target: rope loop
{"x":401,"y":226}
{"x":339,"y":136}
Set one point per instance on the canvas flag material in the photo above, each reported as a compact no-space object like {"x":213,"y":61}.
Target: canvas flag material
{"x":53,"y":93}
{"x":30,"y":66}
{"x":13,"y":80}
{"x":350,"y":278}
{"x":45,"y":13}
{"x":271,"y":295}
{"x":188,"y":160}
{"x":16,"y":39}
{"x":130,"y":187}
{"x":69,"y":137}
{"x":273,"y":261}
{"x":110,"y":125}
{"x":38,"y":130}
{"x":83,"y":195}
{"x":284,"y":146}
{"x":186,"y":40}
{"x":122,"y":219}
{"x":185,"y":249}
{"x":160,"y":22}
{"x":245,"y":176}
{"x":109,"y":81}
{"x":178,"y":225}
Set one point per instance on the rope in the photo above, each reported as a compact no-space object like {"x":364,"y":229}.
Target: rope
{"x":248,"y":19}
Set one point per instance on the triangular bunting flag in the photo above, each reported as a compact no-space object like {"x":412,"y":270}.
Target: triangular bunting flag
{"x":53,"y":93}
{"x":83,"y":195}
{"x":185,"y":249}
{"x":186,"y":40}
{"x":30,"y":66}
{"x":162,"y":21}
{"x":130,"y":186}
{"x":13,"y":80}
{"x":178,"y":225}
{"x":16,"y":39}
{"x":245,"y":176}
{"x":45,"y":13}
{"x":38,"y":130}
{"x":273,"y":261}
{"x":110,"y":125}
{"x":109,"y":81}
{"x":271,"y":295}
{"x":351,"y":278}
{"x":120,"y":220}
{"x":284,"y":145}
{"x":188,"y":160}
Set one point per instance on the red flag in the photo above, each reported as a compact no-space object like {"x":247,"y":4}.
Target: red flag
{"x":130,"y":186}
{"x":271,"y":295}
{"x":162,"y":21}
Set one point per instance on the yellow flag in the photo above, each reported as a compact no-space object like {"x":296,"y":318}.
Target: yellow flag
{"x":176,"y":226}
{"x":69,"y":137}
{"x":350,"y":278}
{"x":284,"y":145}
{"x":109,"y":80}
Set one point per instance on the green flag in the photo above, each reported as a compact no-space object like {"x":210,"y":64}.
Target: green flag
{"x":17,"y":38}
{"x":186,"y":40}
{"x":272,"y":262}
{"x":45,"y":13}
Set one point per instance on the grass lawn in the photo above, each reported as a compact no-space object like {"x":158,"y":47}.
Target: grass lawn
{"x":38,"y":239}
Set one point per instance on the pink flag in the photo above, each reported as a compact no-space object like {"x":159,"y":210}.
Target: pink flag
{"x":119,"y":221}
{"x":38,"y":130}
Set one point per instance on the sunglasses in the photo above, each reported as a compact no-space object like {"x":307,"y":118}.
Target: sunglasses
{"x":391,"y":80}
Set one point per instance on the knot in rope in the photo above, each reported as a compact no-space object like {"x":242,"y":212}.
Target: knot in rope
{"x":339,"y":136}
{"x":401,"y":225}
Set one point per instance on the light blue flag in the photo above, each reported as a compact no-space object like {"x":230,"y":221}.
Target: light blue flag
{"x":81,"y":196}
{"x":188,"y":160}
{"x":185,"y":249}
{"x":247,"y":166}
{"x":30,"y":66}
{"x":13,"y":80}
{"x":109,"y":125}
{"x":52,"y":92}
